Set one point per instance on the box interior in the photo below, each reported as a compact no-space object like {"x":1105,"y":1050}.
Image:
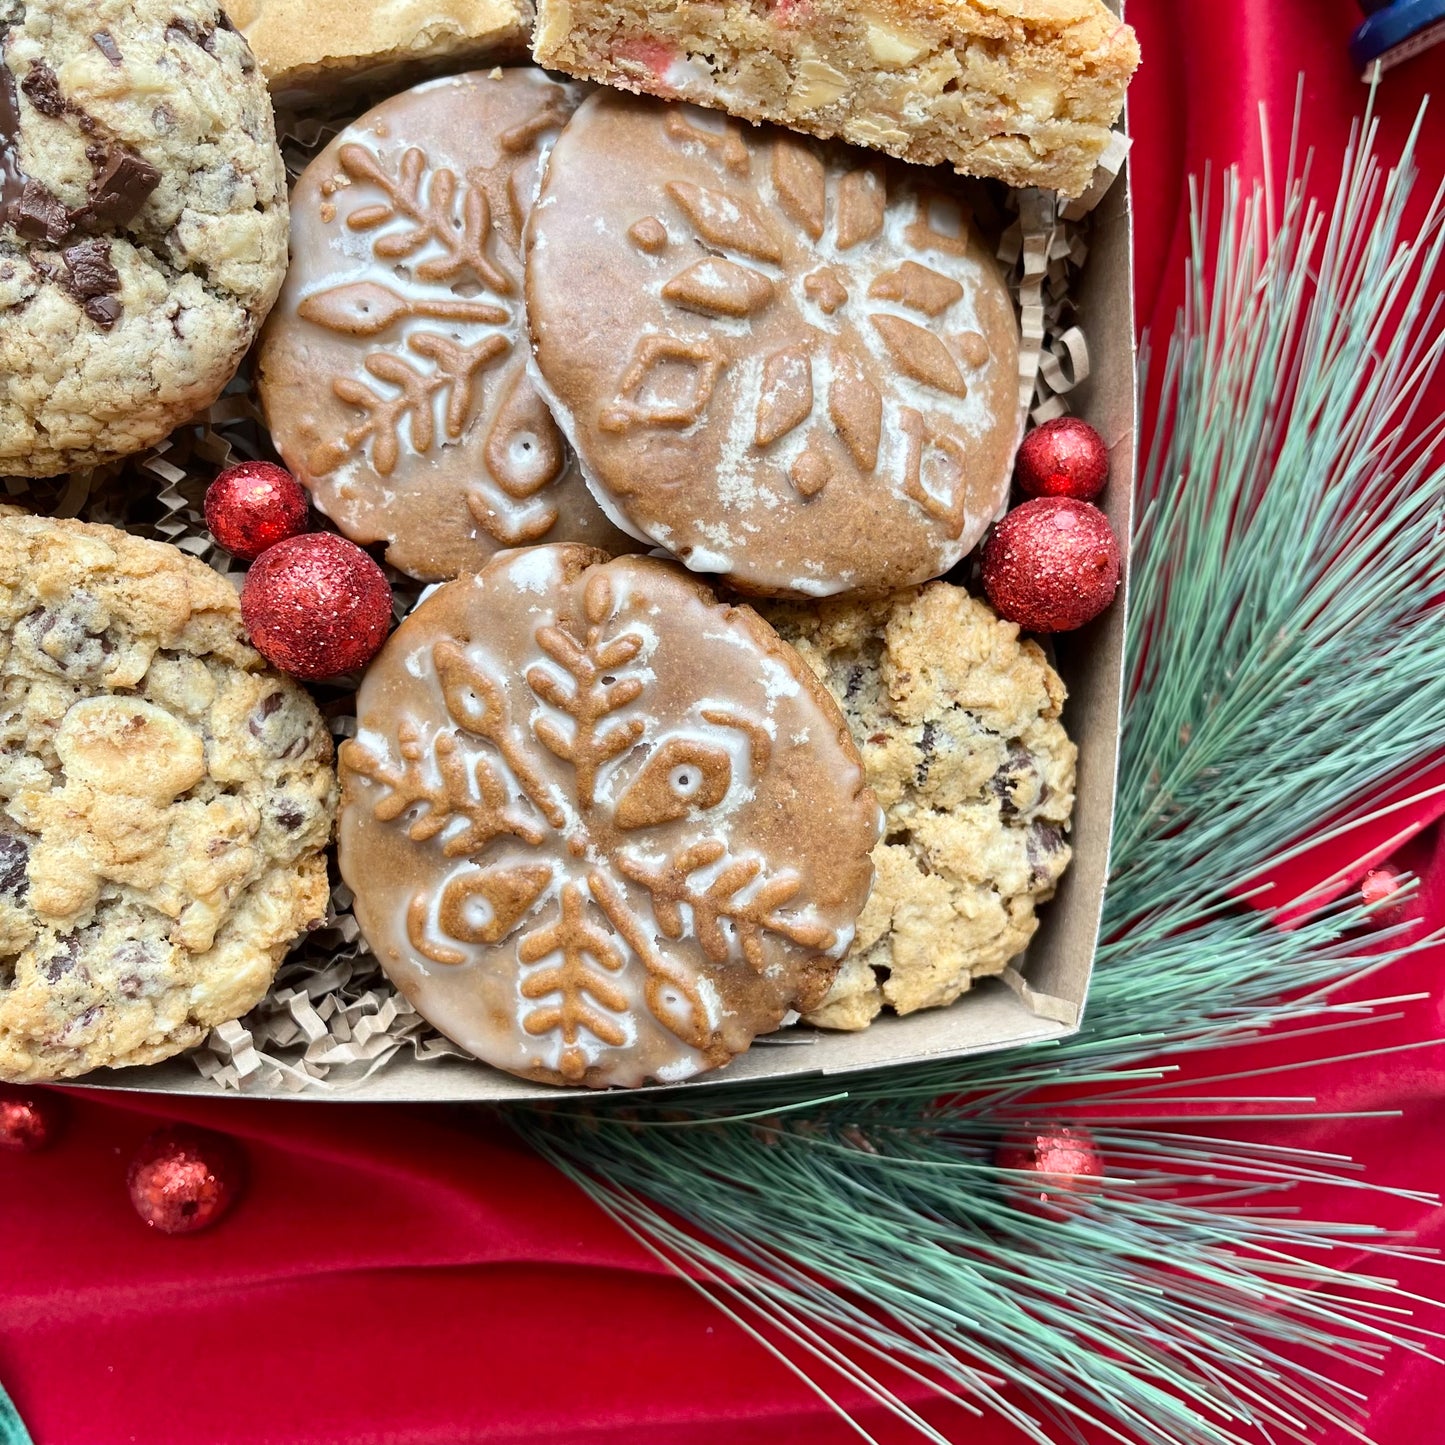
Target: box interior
{"x":1042,"y":997}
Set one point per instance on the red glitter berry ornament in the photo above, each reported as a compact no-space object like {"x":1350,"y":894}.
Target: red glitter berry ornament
{"x":30,"y":1120}
{"x":1065,"y":457}
{"x":254,"y":505}
{"x":1055,"y":1167}
{"x":1377,"y":890}
{"x":184,"y":1179}
{"x":316,"y":605}
{"x":1051,"y":565}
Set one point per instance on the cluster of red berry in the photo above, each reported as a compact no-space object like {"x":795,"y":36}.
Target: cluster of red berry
{"x":1052,"y":564}
{"x":180,"y":1179}
{"x":315,"y":604}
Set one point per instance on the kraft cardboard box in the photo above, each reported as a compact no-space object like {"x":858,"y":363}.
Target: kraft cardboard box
{"x":1043,"y":996}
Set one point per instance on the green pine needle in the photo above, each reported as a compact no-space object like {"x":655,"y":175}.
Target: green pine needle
{"x":12,"y":1427}
{"x":1286,"y":667}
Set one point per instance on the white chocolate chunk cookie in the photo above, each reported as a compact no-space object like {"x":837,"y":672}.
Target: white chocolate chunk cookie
{"x":602,"y":829}
{"x":165,"y":800}
{"x":958,"y":724}
{"x":142,"y":222}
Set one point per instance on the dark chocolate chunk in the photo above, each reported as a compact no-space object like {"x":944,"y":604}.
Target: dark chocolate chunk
{"x":925,"y":748}
{"x":118,"y":190}
{"x":39,"y":215}
{"x":90,"y":278}
{"x":269,"y":704}
{"x":135,"y":952}
{"x":105,"y":43}
{"x":64,"y":960}
{"x":82,"y":1021}
{"x":1043,"y":845}
{"x":138,"y":962}
{"x":105,"y":312}
{"x":39,"y":623}
{"x":70,"y":637}
{"x":204,"y":36}
{"x":14,"y":856}
{"x":43,"y":89}
{"x":91,"y":271}
{"x":12,"y":178}
{"x":48,"y":267}
{"x":1018,"y":768}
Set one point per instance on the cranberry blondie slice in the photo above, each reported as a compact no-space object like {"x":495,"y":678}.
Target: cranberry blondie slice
{"x":1021,"y":90}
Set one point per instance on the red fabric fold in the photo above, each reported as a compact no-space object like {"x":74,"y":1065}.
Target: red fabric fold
{"x":415,"y":1277}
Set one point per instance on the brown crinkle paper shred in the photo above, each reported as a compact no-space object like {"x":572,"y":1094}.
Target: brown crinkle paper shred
{"x":332,"y":1018}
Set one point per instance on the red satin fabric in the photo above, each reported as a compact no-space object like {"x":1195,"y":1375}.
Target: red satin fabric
{"x":398,"y":1276}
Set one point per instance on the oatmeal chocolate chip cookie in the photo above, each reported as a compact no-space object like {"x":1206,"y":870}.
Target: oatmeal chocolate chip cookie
{"x":142,"y":222}
{"x":790,"y":363}
{"x":602,"y":829}
{"x":394,"y":369}
{"x":165,"y":802}
{"x":958,"y":724}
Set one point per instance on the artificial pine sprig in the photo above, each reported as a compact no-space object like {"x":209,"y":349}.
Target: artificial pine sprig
{"x":1286,"y":667}
{"x":12,"y":1427}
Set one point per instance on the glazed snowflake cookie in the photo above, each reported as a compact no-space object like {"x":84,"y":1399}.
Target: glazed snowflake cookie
{"x":393,"y":372}
{"x":602,"y":829}
{"x":790,"y":363}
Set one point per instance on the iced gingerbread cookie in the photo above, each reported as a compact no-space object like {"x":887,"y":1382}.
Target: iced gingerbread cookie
{"x":165,"y":803}
{"x":958,"y":724}
{"x":394,"y":371}
{"x":792,"y":364}
{"x":602,"y":829}
{"x":142,"y":222}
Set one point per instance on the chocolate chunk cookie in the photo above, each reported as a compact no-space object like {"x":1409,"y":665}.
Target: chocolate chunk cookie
{"x":601,"y":828}
{"x":958,"y":724}
{"x":165,"y":800}
{"x":394,"y":370}
{"x":790,"y":363}
{"x":142,"y":222}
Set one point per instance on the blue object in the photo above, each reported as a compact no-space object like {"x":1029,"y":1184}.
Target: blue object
{"x":1396,"y":30}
